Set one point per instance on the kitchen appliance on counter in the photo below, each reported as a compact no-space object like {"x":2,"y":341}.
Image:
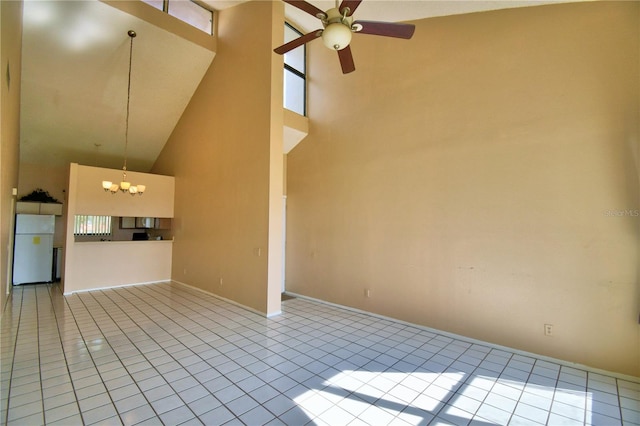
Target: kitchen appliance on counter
{"x":33,"y":249}
{"x":140,"y":236}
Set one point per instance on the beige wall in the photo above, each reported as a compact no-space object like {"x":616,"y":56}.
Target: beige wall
{"x":10,"y":58}
{"x":471,"y":178}
{"x":51,"y":179}
{"x":228,"y":176}
{"x":86,"y":195}
{"x":117,"y":263}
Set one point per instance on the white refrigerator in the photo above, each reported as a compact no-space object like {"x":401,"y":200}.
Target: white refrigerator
{"x":33,"y":249}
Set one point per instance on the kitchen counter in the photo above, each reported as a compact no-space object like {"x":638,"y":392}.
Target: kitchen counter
{"x":124,"y":242}
{"x":104,"y":264}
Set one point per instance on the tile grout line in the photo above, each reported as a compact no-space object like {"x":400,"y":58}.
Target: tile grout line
{"x":13,"y":359}
{"x":172,"y":329}
{"x":204,"y":342}
{"x":117,"y":355}
{"x":39,"y":351}
{"x":73,"y":382}
{"x":620,"y":403}
{"x":148,"y":360}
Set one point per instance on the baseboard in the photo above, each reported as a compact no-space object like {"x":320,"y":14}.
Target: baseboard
{"x":626,"y":377}
{"x":233,"y":302}
{"x":115,"y":286}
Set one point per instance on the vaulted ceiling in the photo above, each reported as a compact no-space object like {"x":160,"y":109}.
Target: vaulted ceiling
{"x":75,"y":65}
{"x":74,"y":84}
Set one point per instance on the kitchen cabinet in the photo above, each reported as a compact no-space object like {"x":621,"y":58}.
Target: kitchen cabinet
{"x":127,"y":223}
{"x":30,"y":207}
{"x":145,"y":222}
{"x":51,"y":208}
{"x":162,"y":223}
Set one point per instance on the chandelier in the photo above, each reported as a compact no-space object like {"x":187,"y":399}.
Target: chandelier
{"x":125,"y":186}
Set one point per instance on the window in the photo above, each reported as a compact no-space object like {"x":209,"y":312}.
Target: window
{"x":187,"y":11}
{"x":92,"y":225}
{"x":295,"y":78}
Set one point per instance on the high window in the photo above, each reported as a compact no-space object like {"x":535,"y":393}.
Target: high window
{"x":295,"y":78}
{"x":92,"y":225}
{"x":187,"y":11}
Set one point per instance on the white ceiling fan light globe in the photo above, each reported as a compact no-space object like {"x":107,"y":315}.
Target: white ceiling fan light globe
{"x":336,"y":36}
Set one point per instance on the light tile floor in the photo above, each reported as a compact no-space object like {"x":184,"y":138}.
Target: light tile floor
{"x":168,"y":354}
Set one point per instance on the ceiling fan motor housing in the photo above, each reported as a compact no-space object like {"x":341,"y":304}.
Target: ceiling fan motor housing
{"x":337,"y":30}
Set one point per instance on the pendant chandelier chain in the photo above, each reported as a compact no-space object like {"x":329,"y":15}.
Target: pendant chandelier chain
{"x":125,"y":186}
{"x":132,"y":34}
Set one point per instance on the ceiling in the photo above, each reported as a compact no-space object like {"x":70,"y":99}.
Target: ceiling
{"x":74,"y":84}
{"x":405,"y":10}
{"x":74,"y":75}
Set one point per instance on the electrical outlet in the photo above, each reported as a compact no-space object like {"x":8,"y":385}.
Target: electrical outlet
{"x":548,"y":329}
{"x":220,"y":281}
{"x":367,"y":292}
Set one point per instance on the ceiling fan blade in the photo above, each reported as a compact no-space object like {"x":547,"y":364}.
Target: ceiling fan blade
{"x":346,"y":60}
{"x":387,"y":29}
{"x":351,"y":4}
{"x":307,"y":7}
{"x":298,"y":42}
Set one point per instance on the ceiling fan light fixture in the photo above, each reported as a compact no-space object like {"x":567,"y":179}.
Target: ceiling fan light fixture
{"x":336,"y":36}
{"x":338,"y":27}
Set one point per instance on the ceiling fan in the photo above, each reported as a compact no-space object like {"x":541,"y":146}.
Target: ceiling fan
{"x":338,"y":27}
